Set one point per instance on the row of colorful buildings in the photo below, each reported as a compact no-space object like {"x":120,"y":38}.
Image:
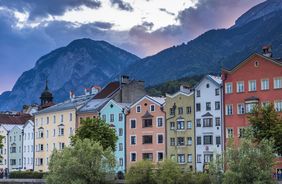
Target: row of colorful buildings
{"x":191,"y":126}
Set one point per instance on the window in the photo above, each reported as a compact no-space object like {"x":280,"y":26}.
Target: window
{"x":180,"y":125}
{"x":228,"y":87}
{"x":216,"y":91}
{"x":208,"y":85}
{"x":217,"y":121}
{"x":61,"y":131}
{"x":13,"y":161}
{"x":198,"y":107}
{"x":229,"y":109}
{"x":20,"y":137}
{"x":229,"y":133}
{"x":47,"y":133}
{"x":207,"y":139}
{"x":198,"y":93}
{"x":240,"y":87}
{"x":172,"y":141}
{"x":138,"y":108}
{"x":40,"y":133}
{"x":172,"y":111}
{"x":62,"y":118}
{"x":120,"y":146}
{"x":112,"y":118}
{"x":120,"y":132}
{"x":180,"y":141}
{"x":160,"y":139}
{"x":189,"y":125}
{"x":217,"y":140}
{"x":208,"y":106}
{"x":132,"y":139}
{"x":199,"y":140}
{"x":241,"y":108}
{"x":208,"y":158}
{"x":120,"y":161}
{"x":54,"y":132}
{"x":133,"y":157}
{"x":54,"y":119}
{"x":198,"y":122}
{"x":265,"y":104}
{"x":252,"y":85}
{"x":71,"y":131}
{"x":147,"y":123}
{"x":147,"y":139}
{"x":133,"y":123}
{"x":70,"y":116}
{"x":207,"y":122}
{"x":152,"y":108}
{"x":40,"y":161}
{"x":180,"y":110}
{"x":120,"y":117}
{"x":264,"y":84}
{"x":61,"y":145}
{"x":104,"y":118}
{"x":47,"y":120}
{"x":147,"y":156}
{"x":217,"y":105}
{"x":41,"y":147}
{"x":13,"y":148}
{"x":278,"y":106}
{"x":188,"y":110}
{"x":241,"y":132}
{"x":278,"y":83}
{"x":181,"y":158}
{"x":160,"y":122}
{"x":172,"y":125}
{"x":250,"y":107}
{"x":199,"y":158}
{"x":189,"y":141}
{"x":160,"y":156}
{"x":189,"y":158}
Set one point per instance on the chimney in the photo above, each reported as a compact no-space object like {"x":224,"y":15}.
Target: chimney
{"x":72,"y":95}
{"x":124,"y":79}
{"x":185,"y":89}
{"x":267,"y":51}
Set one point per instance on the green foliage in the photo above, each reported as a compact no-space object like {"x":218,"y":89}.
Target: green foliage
{"x":216,"y":170}
{"x":249,"y":163}
{"x":140,"y":173}
{"x":26,"y":175}
{"x":195,"y":178}
{"x":168,"y":172}
{"x":172,"y":86}
{"x":84,"y":163}
{"x":1,"y":144}
{"x":267,"y":124}
{"x":98,"y":131}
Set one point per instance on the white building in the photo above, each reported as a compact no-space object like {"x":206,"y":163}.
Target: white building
{"x":3,"y":151}
{"x":28,"y":145}
{"x":208,"y":121}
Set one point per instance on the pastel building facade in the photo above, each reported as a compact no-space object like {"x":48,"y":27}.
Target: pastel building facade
{"x":255,"y":81}
{"x":114,"y":114}
{"x":28,"y":145}
{"x":15,"y":144}
{"x":4,"y":151}
{"x":179,"y":108}
{"x":145,"y":131}
{"x":208,"y":121}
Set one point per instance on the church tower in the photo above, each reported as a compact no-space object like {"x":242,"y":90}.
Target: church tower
{"x":46,"y":97}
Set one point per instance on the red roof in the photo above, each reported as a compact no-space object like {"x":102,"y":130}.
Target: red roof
{"x":14,"y":118}
{"x":108,"y":90}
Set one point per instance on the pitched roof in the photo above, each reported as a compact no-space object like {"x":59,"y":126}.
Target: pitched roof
{"x":93,"y":105}
{"x":215,"y":79}
{"x":108,"y":91}
{"x":9,"y":127}
{"x":18,"y":119}
{"x":207,"y":114}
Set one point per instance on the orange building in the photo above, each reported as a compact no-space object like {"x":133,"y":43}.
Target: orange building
{"x":145,"y":131}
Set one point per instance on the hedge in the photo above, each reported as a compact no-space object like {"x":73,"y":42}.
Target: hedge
{"x":27,"y":174}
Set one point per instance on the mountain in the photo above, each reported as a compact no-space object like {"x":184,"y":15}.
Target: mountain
{"x":216,"y":48}
{"x":80,"y":64}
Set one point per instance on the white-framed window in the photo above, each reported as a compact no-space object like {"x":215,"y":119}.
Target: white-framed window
{"x":199,"y":158}
{"x":133,"y":140}
{"x":228,"y":88}
{"x":120,"y":146}
{"x":189,"y":125}
{"x":208,"y":158}
{"x":277,"y":82}
{"x":70,"y":116}
{"x":132,"y":123}
{"x":54,"y":119}
{"x":240,"y":87}
{"x":264,"y":84}
{"x":278,"y":105}
{"x":217,"y":105}
{"x":229,"y":133}
{"x":189,"y":141}
{"x":172,"y":125}
{"x":138,"y":108}
{"x":133,"y":156}
{"x":216,"y":91}
{"x":189,"y":158}
{"x":160,"y":138}
{"x":47,"y":120}
{"x":241,"y":108}
{"x":181,"y":158}
{"x":198,"y":93}
{"x":241,"y":132}
{"x":250,"y":107}
{"x":120,"y":161}
{"x":61,"y":130}
{"x":160,"y":121}
{"x":252,"y":85}
{"x":229,"y":109}
{"x":217,"y":121}
{"x":120,"y":116}
{"x":112,"y":117}
{"x":180,"y":125}
{"x":152,"y":108}
{"x":172,"y":141}
{"x":62,"y":118}
{"x":61,"y":145}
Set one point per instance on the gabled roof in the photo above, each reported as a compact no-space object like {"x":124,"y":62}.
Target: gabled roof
{"x":158,"y":100}
{"x":214,"y":79}
{"x":207,"y":115}
{"x":14,"y":118}
{"x":108,"y":91}
{"x":120,"y":105}
{"x":10,"y":127}
{"x":277,"y":61}
{"x":29,"y":121}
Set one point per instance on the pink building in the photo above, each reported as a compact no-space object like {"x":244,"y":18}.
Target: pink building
{"x":145,"y":131}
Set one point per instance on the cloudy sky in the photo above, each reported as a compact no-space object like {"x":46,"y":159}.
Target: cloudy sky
{"x":32,"y":28}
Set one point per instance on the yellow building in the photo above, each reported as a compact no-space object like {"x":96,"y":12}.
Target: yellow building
{"x":53,"y":128}
{"x":179,"y":109}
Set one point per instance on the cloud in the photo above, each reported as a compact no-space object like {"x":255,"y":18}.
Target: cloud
{"x":122,"y":5}
{"x":165,"y":10}
{"x":45,"y":8}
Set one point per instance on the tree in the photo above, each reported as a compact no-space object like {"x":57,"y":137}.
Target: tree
{"x":249,"y":163}
{"x":267,"y":124}
{"x":168,"y":172}
{"x":140,"y":173}
{"x":97,"y":130}
{"x":216,"y":170}
{"x":84,"y":163}
{"x":1,"y":144}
